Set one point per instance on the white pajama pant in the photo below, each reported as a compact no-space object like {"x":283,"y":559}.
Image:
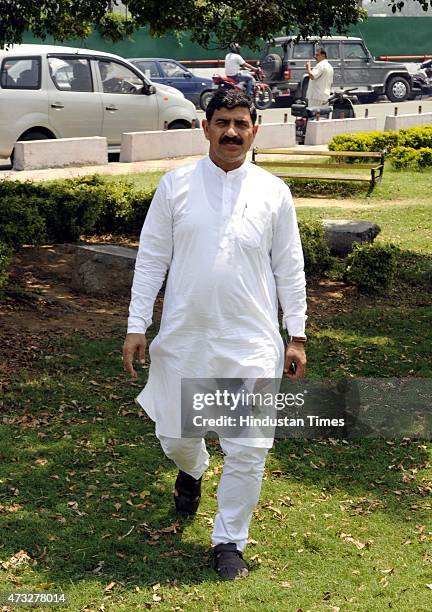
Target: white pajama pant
{"x":239,"y":486}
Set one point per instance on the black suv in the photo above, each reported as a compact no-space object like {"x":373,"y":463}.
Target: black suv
{"x":284,"y":65}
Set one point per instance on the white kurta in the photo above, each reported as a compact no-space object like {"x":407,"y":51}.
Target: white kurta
{"x":231,"y":243}
{"x":319,"y":88}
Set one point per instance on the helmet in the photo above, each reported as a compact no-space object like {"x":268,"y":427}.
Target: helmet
{"x":234,"y":48}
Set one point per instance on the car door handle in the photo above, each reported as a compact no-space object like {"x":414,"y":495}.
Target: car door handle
{"x":111,"y":107}
{"x":57,"y":105}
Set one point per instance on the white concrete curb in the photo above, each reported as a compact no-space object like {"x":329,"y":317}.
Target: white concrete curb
{"x":322,"y":131}
{"x":396,"y":122}
{"x":60,"y":153}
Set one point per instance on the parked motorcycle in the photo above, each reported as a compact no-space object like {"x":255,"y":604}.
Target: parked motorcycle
{"x":262,"y":94}
{"x":340,"y":106}
{"x":422,"y":80}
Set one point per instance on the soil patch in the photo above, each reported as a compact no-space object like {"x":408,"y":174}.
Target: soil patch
{"x":40,"y":307}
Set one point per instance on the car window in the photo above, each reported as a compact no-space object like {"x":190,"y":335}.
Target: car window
{"x":303,"y":51}
{"x":150,"y":69}
{"x":332,"y":50}
{"x":117,"y":78}
{"x":354,"y":51}
{"x":21,"y":73}
{"x":172,"y":69}
{"x":70,"y":74}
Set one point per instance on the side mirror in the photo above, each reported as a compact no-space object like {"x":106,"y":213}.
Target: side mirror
{"x":187,"y":75}
{"x":148,"y":90}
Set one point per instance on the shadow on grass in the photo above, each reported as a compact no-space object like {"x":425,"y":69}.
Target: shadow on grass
{"x":86,"y":491}
{"x":93,"y":501}
{"x":383,"y":469}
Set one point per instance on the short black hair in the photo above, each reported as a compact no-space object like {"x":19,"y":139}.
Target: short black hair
{"x":230,"y":98}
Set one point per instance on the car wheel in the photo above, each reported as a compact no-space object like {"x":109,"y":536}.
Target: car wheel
{"x":178,"y":125}
{"x":34,"y":135}
{"x":272,"y":66}
{"x":206,"y":96}
{"x":31,"y":135}
{"x":398,"y":89}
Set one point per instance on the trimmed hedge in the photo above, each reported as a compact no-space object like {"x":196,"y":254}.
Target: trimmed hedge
{"x":372,"y":267}
{"x":316,"y":251}
{"x":61,"y":211}
{"x":408,"y":148}
{"x":5,"y":259}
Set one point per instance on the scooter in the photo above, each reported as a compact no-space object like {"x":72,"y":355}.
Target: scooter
{"x":422,"y":80}
{"x":340,"y":106}
{"x":262,"y":94}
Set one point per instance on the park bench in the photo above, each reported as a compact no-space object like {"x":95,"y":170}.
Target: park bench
{"x":375,"y":166}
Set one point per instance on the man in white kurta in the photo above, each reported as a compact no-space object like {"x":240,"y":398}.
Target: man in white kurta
{"x":320,"y":80}
{"x":227,"y":232}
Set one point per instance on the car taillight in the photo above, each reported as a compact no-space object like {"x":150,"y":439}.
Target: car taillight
{"x":287,"y":74}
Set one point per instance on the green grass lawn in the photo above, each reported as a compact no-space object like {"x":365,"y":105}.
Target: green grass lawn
{"x":85,"y":490}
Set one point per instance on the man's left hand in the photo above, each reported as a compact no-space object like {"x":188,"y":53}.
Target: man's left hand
{"x":295,"y":353}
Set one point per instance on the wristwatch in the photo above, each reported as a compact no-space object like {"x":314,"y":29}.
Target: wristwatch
{"x":297,"y":339}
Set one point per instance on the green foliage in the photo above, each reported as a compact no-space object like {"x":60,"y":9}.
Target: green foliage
{"x":207,"y":22}
{"x":115,"y":27}
{"x":73,"y":207}
{"x":316,"y":250}
{"x":365,"y":141}
{"x":20,"y":218}
{"x":416,"y":137}
{"x":408,"y":148}
{"x":61,"y":211}
{"x":407,"y":157}
{"x":5,"y":259}
{"x":372,"y":267}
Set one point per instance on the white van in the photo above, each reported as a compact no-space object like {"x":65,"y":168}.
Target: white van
{"x":61,"y":92}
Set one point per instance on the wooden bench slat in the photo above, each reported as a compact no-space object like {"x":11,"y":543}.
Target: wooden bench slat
{"x":302,"y":164}
{"x":376,"y":171}
{"x":325,"y":177}
{"x":318,"y":153}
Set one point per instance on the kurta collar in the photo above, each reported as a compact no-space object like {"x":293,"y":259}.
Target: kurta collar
{"x":210,"y":165}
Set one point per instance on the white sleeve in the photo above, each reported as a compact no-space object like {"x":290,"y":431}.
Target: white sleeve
{"x":153,"y":260}
{"x":318,"y":70}
{"x":288,"y":267}
{"x":240,"y":61}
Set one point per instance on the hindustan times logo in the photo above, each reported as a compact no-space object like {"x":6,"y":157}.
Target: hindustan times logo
{"x":227,"y":399}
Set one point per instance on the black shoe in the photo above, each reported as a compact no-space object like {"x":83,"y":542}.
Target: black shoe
{"x":187,"y":493}
{"x":228,"y":562}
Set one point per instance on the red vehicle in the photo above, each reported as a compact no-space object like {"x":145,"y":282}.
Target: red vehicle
{"x":262,"y":94}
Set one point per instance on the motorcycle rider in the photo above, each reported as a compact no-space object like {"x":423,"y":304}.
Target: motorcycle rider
{"x":234,"y":68}
{"x":320,"y":79}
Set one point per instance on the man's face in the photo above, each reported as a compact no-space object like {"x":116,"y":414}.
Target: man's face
{"x":231,"y":133}
{"x":319,"y":56}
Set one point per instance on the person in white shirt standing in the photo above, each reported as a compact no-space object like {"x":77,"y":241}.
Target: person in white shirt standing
{"x":227,"y":232}
{"x":235,"y":68}
{"x":320,"y":79}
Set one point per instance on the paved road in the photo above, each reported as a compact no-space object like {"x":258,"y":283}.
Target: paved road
{"x":378,"y":110}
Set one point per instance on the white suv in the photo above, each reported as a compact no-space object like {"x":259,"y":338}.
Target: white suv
{"x":62,"y":92}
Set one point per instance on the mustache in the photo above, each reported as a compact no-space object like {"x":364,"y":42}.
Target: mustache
{"x":226,"y":140}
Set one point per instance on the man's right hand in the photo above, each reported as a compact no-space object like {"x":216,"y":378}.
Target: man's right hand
{"x":134,"y":343}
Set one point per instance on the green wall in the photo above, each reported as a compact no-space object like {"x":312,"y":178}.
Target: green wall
{"x":396,"y":35}
{"x":383,"y":36}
